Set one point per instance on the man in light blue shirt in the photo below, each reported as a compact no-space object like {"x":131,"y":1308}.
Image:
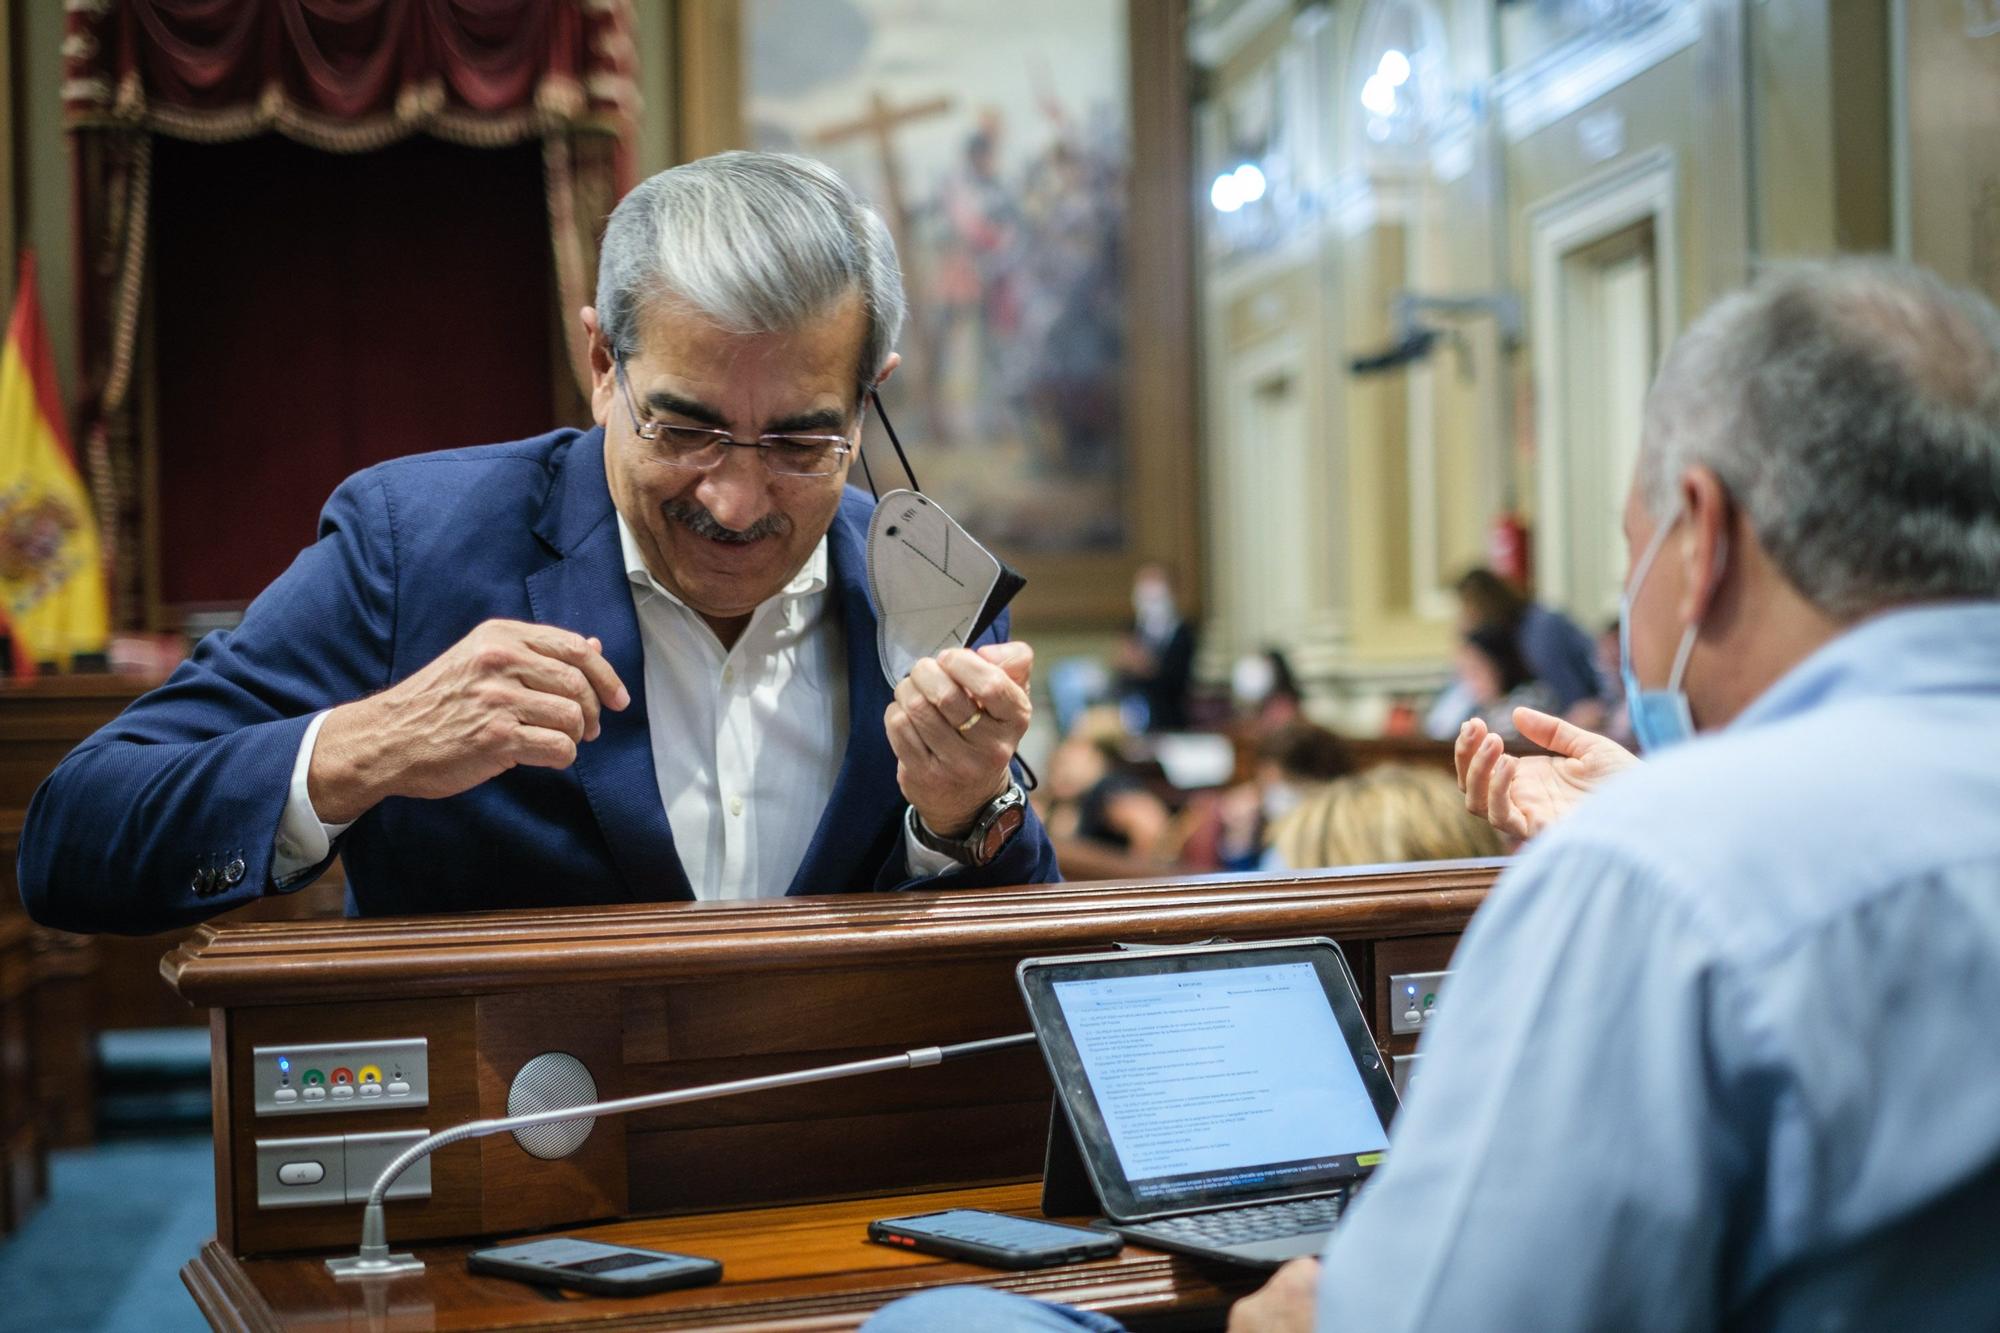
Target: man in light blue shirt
{"x":1722,"y":1049}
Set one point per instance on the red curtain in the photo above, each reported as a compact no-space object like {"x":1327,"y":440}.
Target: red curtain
{"x":410,"y":311}
{"x":345,"y":76}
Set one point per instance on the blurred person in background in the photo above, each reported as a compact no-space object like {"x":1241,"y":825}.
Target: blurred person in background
{"x":1155,"y":661}
{"x":1391,"y":813}
{"x":1293,"y":763}
{"x":1607,"y":714}
{"x":1266,"y":692}
{"x":1497,"y":679}
{"x":1092,"y":797}
{"x":1557,"y":651}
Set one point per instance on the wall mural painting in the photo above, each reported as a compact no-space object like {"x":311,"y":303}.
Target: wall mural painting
{"x":994,"y":140}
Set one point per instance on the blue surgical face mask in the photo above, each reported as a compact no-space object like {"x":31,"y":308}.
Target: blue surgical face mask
{"x":1660,"y":718}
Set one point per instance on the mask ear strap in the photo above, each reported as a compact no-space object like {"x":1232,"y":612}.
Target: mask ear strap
{"x":868,"y":474}
{"x":901,"y":457}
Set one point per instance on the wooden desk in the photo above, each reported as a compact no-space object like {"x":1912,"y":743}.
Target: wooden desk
{"x":41,"y":720}
{"x":656,"y":997}
{"x":801,"y":1267}
{"x":23,"y":1150}
{"x":82,"y":985}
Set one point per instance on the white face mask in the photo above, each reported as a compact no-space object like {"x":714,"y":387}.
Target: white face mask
{"x":1660,"y":718}
{"x":934,"y":587}
{"x":1153,"y":608}
{"x":1280,"y":799}
{"x":1252,"y":679}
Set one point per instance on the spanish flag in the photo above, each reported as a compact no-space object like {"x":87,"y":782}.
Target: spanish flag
{"x":51,"y":576}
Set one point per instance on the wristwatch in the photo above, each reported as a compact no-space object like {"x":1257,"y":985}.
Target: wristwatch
{"x":998,"y":822}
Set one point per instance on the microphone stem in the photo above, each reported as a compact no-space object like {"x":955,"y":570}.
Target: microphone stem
{"x":473,"y":1129}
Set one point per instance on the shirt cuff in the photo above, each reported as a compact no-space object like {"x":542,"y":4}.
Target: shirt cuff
{"x":923,"y":862}
{"x":303,"y":840}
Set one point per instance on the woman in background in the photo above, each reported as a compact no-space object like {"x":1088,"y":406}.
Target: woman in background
{"x":1390,"y":813}
{"x":1498,"y":680}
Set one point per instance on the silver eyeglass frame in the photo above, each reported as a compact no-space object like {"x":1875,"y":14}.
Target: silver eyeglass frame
{"x":650,"y":431}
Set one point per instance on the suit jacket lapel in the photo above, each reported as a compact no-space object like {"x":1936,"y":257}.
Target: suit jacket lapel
{"x":586,"y":590}
{"x":865,"y":795}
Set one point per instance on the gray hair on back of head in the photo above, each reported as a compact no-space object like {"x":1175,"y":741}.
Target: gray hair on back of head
{"x":1852,"y":408}
{"x":752,"y":243}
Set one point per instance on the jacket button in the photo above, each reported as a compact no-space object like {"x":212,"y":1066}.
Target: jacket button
{"x":233,"y":872}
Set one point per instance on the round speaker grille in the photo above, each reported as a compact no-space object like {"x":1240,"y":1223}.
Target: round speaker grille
{"x":551,"y":1082}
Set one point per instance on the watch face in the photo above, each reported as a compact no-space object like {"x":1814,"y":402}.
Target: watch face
{"x":1002,"y":828}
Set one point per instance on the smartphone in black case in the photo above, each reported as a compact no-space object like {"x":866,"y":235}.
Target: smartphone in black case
{"x":998,"y":1240}
{"x":592,"y":1266}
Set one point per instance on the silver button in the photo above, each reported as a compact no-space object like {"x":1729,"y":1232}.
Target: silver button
{"x":314,"y":1094}
{"x":285,"y":1095}
{"x":343,"y":1091}
{"x":233,"y":872}
{"x":371,"y":1089}
{"x":399,"y":1089}
{"x":301,"y":1173}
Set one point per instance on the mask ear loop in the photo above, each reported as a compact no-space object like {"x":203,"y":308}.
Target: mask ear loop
{"x":868,"y":474}
{"x":1033,"y":782}
{"x":901,"y":457}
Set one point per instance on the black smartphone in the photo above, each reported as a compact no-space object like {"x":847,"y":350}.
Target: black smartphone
{"x":998,"y":1240}
{"x":592,"y":1266}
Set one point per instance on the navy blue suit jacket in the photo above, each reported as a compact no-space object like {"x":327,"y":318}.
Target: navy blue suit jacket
{"x":169,"y":813}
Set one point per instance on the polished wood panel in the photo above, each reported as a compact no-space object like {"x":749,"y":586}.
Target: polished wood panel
{"x":23,"y":1151}
{"x":521,"y":1191}
{"x":84,"y":984}
{"x":685,"y":994}
{"x":1424,"y":953}
{"x":324,"y":961}
{"x":791,"y":1268}
{"x":41,"y":720}
{"x":456,"y":1177}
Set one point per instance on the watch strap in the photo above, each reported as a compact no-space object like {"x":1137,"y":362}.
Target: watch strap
{"x":965,"y":850}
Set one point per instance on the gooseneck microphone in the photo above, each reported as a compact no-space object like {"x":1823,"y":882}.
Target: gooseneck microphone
{"x":374,"y":1259}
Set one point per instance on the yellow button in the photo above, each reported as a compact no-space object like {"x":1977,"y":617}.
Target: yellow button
{"x":736,"y":805}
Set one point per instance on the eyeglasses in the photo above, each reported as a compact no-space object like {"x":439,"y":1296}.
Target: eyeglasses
{"x":702,"y":447}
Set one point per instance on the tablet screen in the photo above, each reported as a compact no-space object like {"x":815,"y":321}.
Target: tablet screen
{"x":1213,"y":1076}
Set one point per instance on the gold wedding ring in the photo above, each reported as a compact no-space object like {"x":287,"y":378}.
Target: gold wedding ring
{"x":972,"y":721}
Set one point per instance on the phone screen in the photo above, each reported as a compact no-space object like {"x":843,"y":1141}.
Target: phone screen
{"x":609,"y":1263}
{"x":996,"y":1229}
{"x":569,"y":1261}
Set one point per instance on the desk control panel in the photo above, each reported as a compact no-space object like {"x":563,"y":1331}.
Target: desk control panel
{"x":336,"y":1168}
{"x":341,"y":1076}
{"x":1413,"y":999}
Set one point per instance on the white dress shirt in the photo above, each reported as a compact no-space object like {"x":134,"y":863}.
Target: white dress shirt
{"x":746,"y":740}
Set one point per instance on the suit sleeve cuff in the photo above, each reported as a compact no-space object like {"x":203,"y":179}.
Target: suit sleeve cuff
{"x":304,"y":841}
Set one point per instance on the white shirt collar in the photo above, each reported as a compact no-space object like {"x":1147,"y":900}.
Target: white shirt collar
{"x":810,"y":580}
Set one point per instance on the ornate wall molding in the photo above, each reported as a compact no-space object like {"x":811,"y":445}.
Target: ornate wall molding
{"x":1533,"y":96}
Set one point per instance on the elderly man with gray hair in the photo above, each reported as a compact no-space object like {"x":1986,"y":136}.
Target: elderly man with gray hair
{"x":1719,"y":1049}
{"x":629,"y":663}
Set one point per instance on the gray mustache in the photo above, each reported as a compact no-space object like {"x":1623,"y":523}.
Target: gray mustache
{"x":696,"y":518}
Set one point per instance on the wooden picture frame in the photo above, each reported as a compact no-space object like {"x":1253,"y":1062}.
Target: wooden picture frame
{"x":1082,"y":590}
{"x":9,"y":189}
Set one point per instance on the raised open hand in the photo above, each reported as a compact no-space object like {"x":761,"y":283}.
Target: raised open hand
{"x":1523,"y":794}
